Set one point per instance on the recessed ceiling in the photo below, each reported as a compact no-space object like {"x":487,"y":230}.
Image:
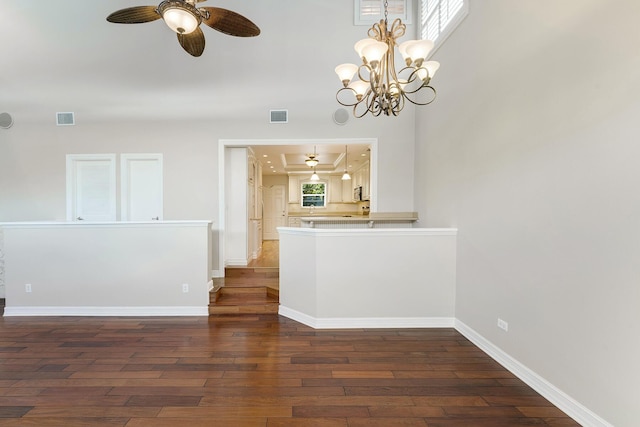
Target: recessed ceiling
{"x":290,"y":159}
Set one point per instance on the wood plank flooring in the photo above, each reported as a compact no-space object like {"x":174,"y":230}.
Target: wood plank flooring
{"x":269,"y":256}
{"x":252,"y":370}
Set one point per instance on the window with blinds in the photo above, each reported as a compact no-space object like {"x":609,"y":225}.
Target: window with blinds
{"x":438,"y":18}
{"x":368,"y":12}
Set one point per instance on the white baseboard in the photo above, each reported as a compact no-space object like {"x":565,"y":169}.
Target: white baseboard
{"x":237,"y":262}
{"x":106,"y":311}
{"x":560,"y":399}
{"x":366,"y":322}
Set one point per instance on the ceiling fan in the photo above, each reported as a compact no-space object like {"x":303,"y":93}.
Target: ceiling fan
{"x":183,"y":17}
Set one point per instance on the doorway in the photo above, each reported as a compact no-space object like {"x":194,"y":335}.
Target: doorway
{"x":228,"y":204}
{"x":275,"y":211}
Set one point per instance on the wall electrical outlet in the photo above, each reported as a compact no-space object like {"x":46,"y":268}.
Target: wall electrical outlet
{"x":185,"y":287}
{"x":503,"y":325}
{"x":27,"y":288}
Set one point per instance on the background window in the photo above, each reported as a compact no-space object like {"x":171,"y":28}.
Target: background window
{"x":314,"y":194}
{"x":438,"y":18}
{"x":368,"y":12}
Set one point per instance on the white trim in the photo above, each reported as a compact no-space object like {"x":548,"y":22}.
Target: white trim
{"x":297,"y":316}
{"x":237,"y":262}
{"x":106,"y":311}
{"x":112,"y":224}
{"x":359,"y":232}
{"x":125,"y":175}
{"x":564,"y":402}
{"x":366,"y":322}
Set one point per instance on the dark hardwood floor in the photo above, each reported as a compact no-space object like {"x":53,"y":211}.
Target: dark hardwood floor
{"x":252,"y":370}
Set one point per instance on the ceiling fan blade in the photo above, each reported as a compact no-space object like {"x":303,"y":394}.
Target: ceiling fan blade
{"x":134,"y":15}
{"x":193,"y":42}
{"x":231,"y":23}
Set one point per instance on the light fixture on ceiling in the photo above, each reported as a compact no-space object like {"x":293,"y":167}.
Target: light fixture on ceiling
{"x":312,"y":161}
{"x":379,"y":88}
{"x":181,"y":16}
{"x":184,"y":18}
{"x":346,"y":176}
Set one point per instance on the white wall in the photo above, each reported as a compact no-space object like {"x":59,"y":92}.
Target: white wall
{"x":368,"y":277}
{"x":531,"y":150}
{"x":107,"y":268}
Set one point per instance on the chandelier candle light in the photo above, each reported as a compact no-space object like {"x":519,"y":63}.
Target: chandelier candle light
{"x":379,"y":88}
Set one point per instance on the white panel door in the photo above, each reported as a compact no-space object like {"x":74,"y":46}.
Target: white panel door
{"x":275,"y":214}
{"x":141,"y":194}
{"x":91,"y":187}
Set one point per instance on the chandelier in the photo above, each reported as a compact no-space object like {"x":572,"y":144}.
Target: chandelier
{"x":311,"y":161}
{"x":379,"y":88}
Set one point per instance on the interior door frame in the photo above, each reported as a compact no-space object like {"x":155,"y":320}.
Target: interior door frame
{"x":223,"y":144}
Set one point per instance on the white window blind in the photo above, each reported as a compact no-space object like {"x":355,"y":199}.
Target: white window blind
{"x":368,"y":12}
{"x":438,"y":18}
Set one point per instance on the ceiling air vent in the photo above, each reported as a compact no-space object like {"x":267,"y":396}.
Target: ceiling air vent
{"x":65,"y":119}
{"x":279,"y":116}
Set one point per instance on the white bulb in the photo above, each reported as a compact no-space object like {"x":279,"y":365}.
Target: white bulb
{"x":346,"y":71}
{"x":180,"y":20}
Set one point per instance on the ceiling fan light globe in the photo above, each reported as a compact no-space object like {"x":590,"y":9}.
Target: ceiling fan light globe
{"x":180,"y":20}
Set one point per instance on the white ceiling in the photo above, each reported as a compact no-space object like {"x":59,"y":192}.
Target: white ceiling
{"x":63,"y":56}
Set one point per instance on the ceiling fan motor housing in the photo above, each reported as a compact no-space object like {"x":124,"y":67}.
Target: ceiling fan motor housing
{"x":181,"y":16}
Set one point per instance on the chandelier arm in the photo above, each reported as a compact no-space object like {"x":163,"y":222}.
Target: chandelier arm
{"x":413,"y":73}
{"x":346,"y":104}
{"x":397,"y":29}
{"x":400,"y":103}
{"x":418,"y":102}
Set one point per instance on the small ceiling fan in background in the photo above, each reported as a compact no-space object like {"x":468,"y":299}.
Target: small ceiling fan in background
{"x":183,"y":17}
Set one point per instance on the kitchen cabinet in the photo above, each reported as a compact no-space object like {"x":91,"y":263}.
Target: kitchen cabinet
{"x":366,"y":181}
{"x":347,"y":191}
{"x":361,"y":178}
{"x":294,"y":221}
{"x":335,"y":189}
{"x":340,"y":191}
{"x":294,"y":189}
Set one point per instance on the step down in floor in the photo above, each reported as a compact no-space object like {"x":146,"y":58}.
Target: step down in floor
{"x":246,"y":291}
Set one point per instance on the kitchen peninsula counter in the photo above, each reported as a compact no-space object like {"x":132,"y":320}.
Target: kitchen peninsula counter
{"x":373,"y":220}
{"x":377,"y":278}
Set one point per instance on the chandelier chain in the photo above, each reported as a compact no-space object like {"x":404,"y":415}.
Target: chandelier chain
{"x":386,"y":11}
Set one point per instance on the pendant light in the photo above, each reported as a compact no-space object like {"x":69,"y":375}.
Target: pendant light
{"x":346,"y":176}
{"x":315,"y":176}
